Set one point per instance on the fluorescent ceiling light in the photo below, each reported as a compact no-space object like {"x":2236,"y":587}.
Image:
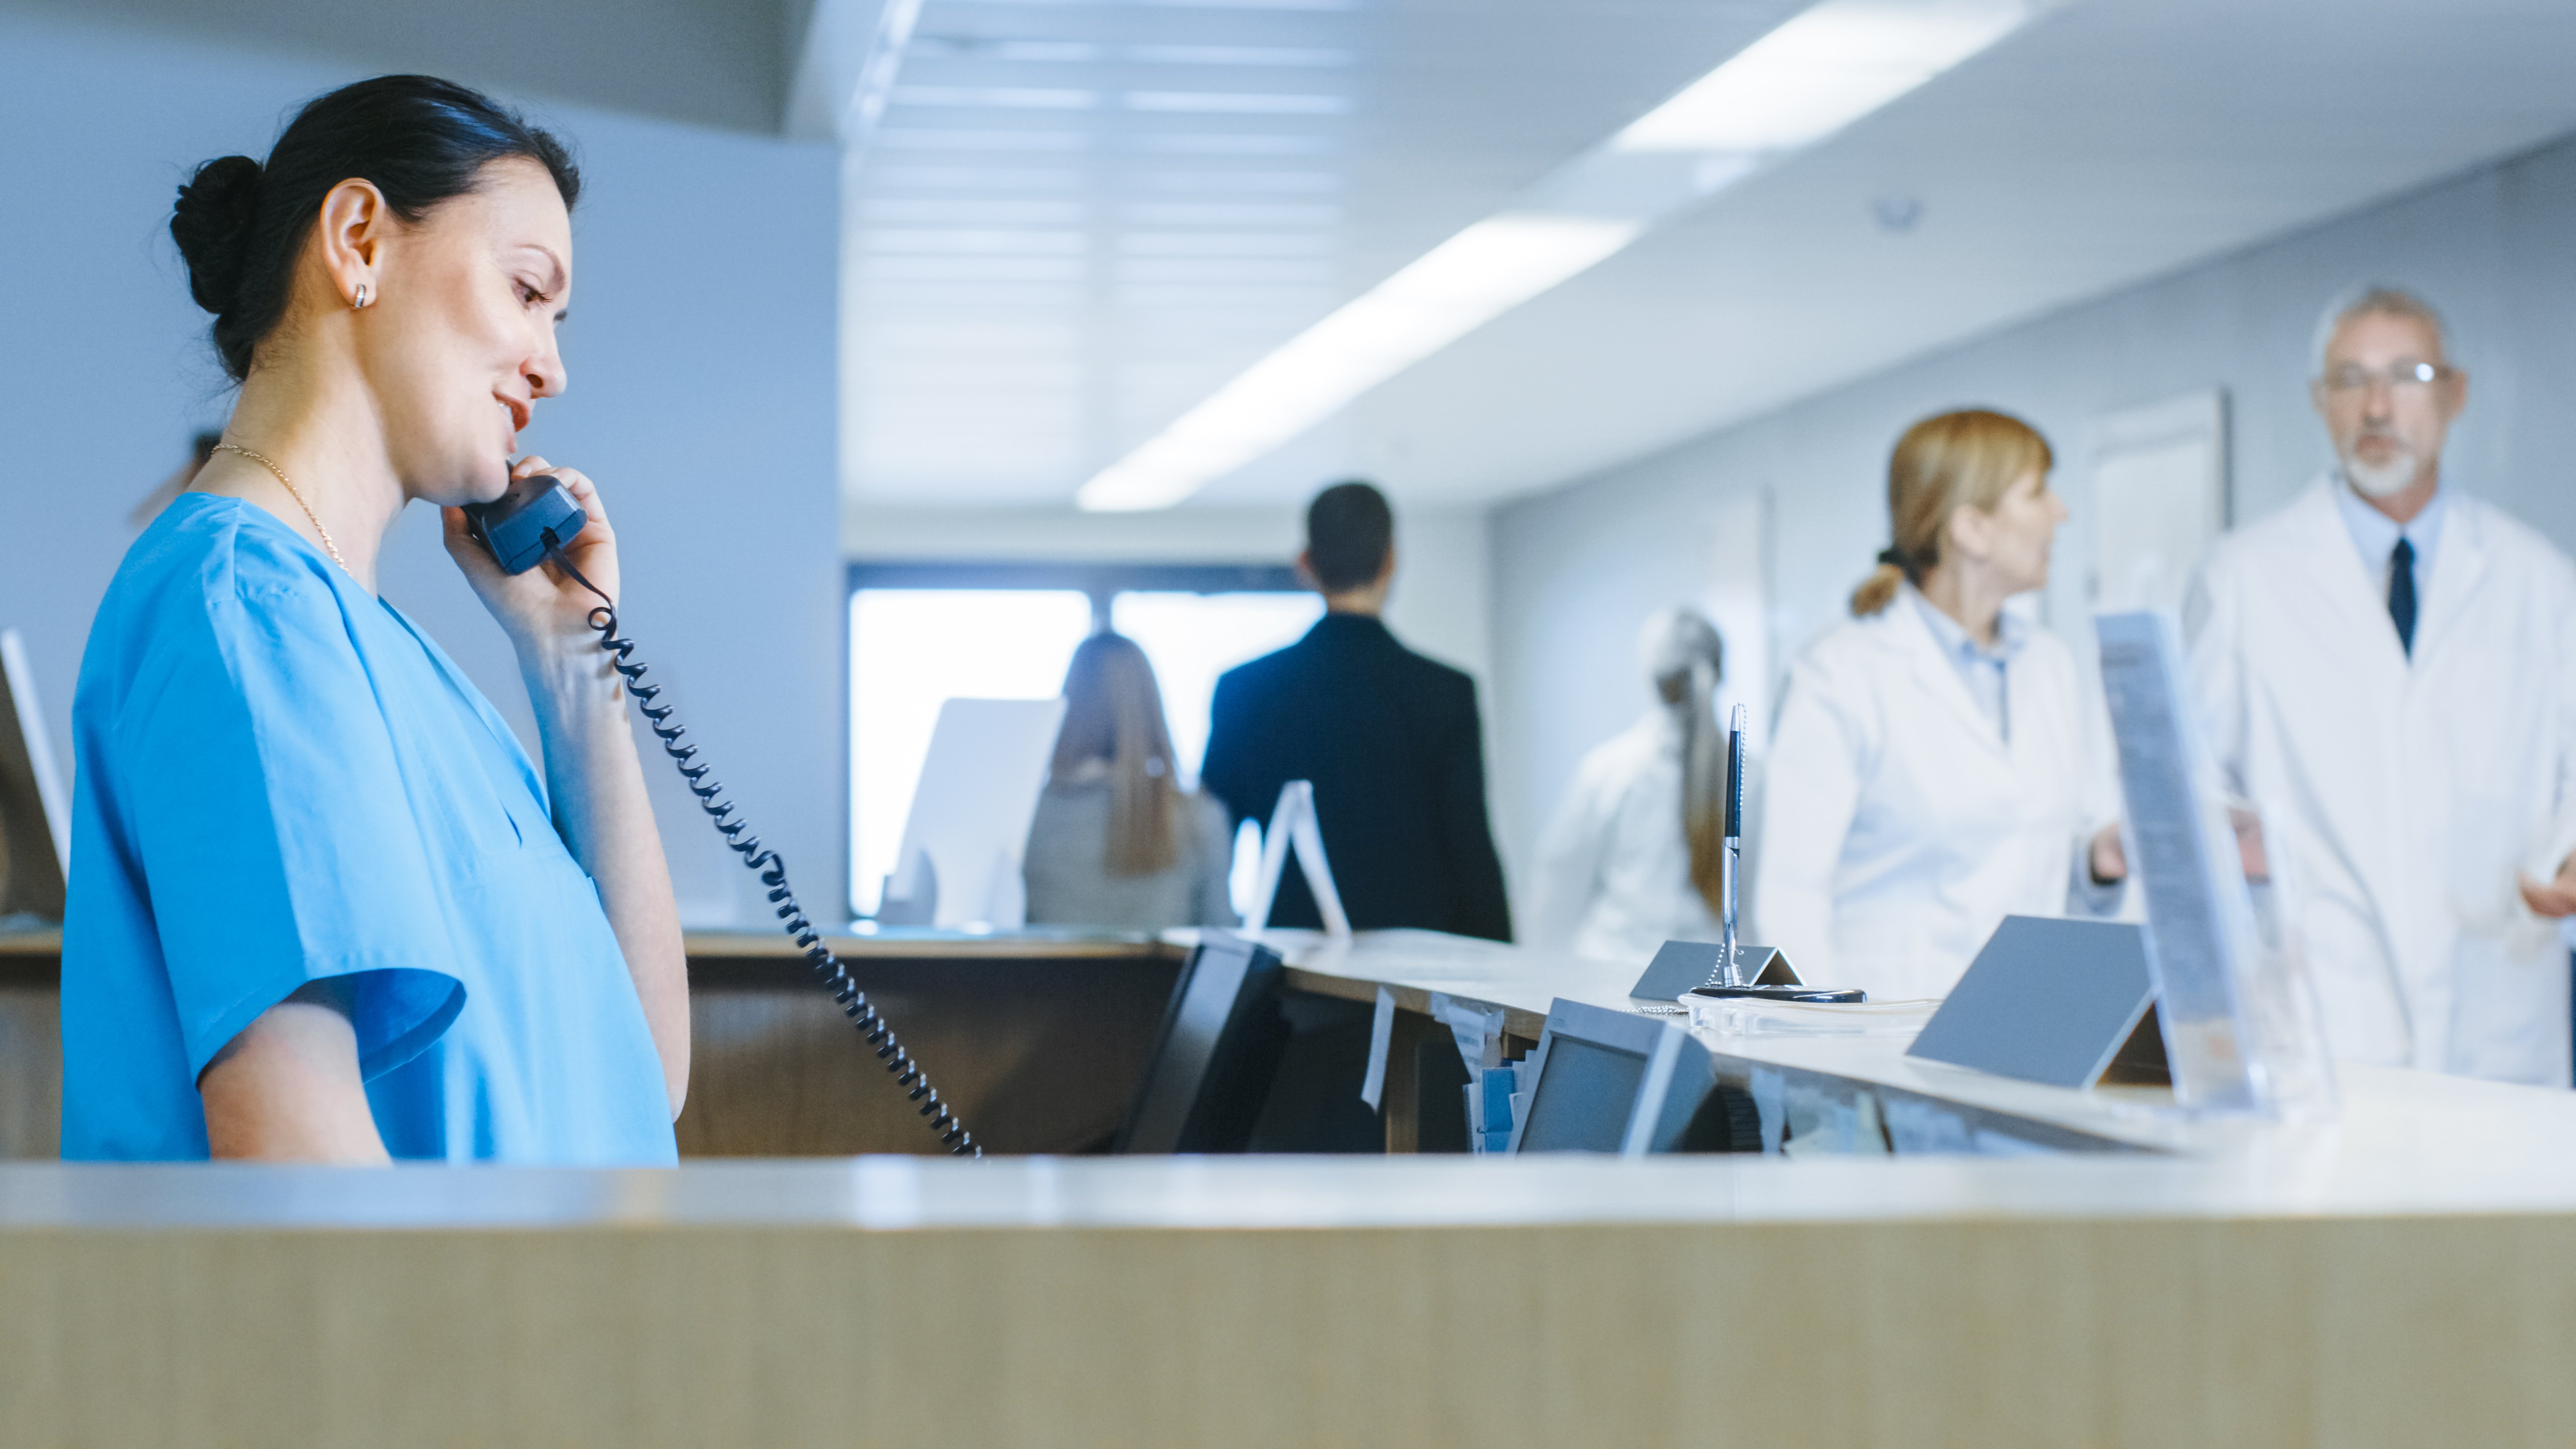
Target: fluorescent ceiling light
{"x":1207,"y":143}
{"x":1238,"y":103}
{"x":1822,"y":70}
{"x":1815,"y":74}
{"x":1003,"y":98}
{"x":1027,"y":52}
{"x":1237,"y":55}
{"x":1456,"y":287}
{"x":923,"y":138}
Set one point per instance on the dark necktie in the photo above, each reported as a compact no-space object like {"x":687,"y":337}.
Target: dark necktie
{"x":2401,"y":593}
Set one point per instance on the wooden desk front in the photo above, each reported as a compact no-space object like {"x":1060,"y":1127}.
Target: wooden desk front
{"x":2139,"y":1302}
{"x":1037,"y":1040}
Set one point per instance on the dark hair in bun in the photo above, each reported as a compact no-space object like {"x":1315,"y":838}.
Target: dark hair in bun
{"x":420,"y":140}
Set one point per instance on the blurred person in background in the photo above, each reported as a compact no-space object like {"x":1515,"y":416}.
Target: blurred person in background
{"x":1392,"y":741}
{"x":1395,"y":748}
{"x":1937,"y":765}
{"x":2382,"y":668}
{"x":1116,"y":841}
{"x":1631,"y":860}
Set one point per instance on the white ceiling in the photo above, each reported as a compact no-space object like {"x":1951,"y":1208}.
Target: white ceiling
{"x":1073,"y":221}
{"x":2110,"y":143}
{"x":1070,"y":226}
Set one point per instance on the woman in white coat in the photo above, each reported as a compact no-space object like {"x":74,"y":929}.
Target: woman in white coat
{"x":1936,"y":766}
{"x":1631,"y":860}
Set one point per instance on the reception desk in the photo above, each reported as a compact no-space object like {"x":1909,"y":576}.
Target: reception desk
{"x":2404,"y":1275}
{"x":1036,"y":1038}
{"x":2338,"y":1298}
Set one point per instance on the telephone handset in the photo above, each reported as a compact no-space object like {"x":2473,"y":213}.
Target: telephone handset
{"x":532,"y":522}
{"x":521,"y":526}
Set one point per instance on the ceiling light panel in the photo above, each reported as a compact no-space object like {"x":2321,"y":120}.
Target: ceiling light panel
{"x":1812,"y":75}
{"x":1229,"y":214}
{"x":968,"y":211}
{"x":909,"y":138}
{"x":1460,"y":285}
{"x":1225,"y":244}
{"x":983,"y":180}
{"x":1203,"y":143}
{"x":1283,"y":56}
{"x":1820,"y":72}
{"x":1236,"y":103}
{"x":1291,"y":5}
{"x":1076,"y":52}
{"x":1181,"y":188}
{"x":1025,"y":52}
{"x":997,"y":98}
{"x":1157,"y":279}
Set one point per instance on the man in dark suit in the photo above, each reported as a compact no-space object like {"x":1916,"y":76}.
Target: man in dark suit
{"x":1390,"y":739}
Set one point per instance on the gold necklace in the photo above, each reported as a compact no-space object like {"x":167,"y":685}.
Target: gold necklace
{"x":261,"y":459}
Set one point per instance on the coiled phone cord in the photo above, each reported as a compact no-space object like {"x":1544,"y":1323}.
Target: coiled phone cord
{"x":772,"y":871}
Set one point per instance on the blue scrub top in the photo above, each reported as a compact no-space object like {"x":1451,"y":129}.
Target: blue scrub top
{"x":280,"y":780}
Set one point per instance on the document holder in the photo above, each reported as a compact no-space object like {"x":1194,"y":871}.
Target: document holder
{"x":2066,"y":1003}
{"x":1680,"y":965}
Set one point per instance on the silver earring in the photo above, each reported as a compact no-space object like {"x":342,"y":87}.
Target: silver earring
{"x":359,"y":302}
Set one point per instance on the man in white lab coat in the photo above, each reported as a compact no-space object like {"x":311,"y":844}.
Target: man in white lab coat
{"x":2384,"y":670}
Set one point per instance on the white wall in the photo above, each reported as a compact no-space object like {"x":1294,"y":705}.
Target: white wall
{"x":701,"y":355}
{"x":1575,"y":569}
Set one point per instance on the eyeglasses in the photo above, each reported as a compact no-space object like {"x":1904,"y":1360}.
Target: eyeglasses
{"x":2400,"y":377}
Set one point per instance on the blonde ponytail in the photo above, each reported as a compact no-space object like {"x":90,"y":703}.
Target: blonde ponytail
{"x":1877,"y":591}
{"x":1967,"y":459}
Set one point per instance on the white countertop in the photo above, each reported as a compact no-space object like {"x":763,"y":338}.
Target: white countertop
{"x":2437,"y":1123}
{"x":2407,"y":1162}
{"x":2406,"y":1143}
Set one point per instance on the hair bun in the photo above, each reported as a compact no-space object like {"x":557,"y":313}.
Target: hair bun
{"x":212,"y":227}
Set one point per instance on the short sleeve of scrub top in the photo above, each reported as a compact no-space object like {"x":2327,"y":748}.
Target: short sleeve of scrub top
{"x":280,"y":781}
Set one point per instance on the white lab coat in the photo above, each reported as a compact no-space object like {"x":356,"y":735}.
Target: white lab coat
{"x":1899,"y":828}
{"x":2399,"y":796}
{"x":1614,"y":869}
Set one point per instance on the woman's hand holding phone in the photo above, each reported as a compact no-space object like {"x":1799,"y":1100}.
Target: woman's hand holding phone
{"x":543,"y":609}
{"x":594,"y":778}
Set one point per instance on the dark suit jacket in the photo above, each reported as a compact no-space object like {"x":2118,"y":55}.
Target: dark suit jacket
{"x":1396,"y":752}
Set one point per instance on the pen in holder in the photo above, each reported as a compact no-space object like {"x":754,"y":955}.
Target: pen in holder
{"x":1727,"y":977}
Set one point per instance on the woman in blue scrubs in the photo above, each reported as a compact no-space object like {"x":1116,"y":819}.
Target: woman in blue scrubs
{"x":322,"y":905}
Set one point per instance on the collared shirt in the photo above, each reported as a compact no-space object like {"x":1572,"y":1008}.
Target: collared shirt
{"x":2376,"y":534}
{"x":1981,"y":667}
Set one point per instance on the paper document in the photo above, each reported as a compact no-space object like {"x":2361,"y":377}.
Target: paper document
{"x":1381,"y":1035}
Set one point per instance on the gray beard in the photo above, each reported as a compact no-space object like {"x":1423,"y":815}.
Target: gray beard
{"x":2385,"y":481}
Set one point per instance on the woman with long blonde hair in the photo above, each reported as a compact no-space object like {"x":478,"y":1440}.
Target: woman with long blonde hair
{"x":1937,"y":765}
{"x":1116,"y":841}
